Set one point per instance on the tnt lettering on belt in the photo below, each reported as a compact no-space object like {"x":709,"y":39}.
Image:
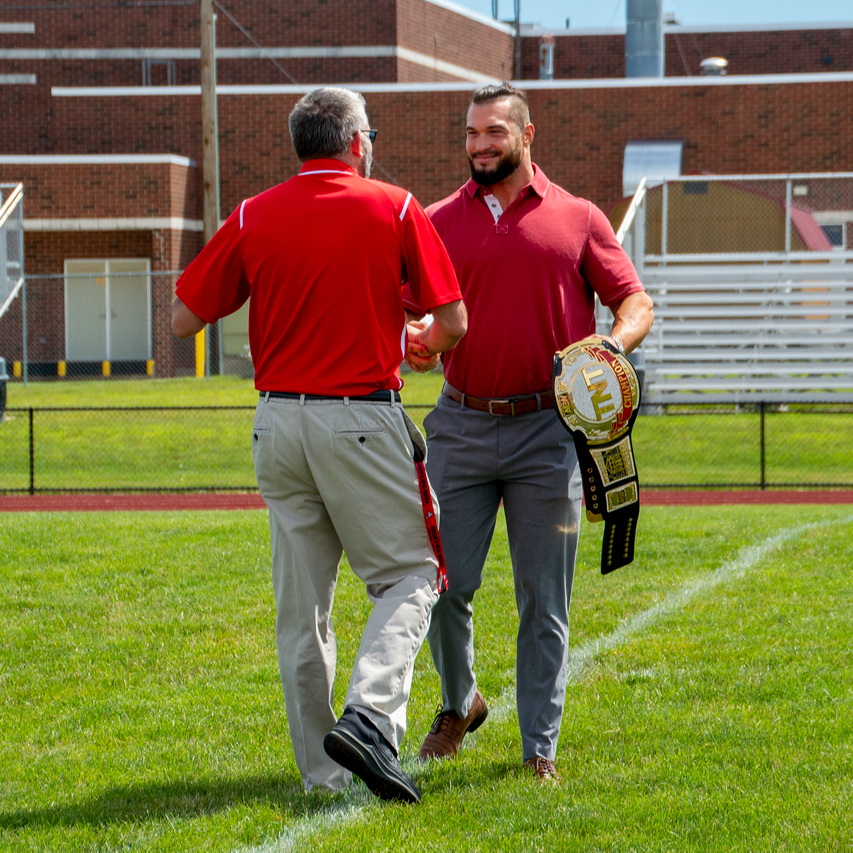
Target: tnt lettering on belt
{"x":601,"y":400}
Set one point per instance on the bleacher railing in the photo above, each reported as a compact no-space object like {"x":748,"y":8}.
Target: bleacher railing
{"x":752,"y":281}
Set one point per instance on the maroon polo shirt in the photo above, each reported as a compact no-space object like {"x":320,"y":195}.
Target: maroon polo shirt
{"x":528,"y":281}
{"x":323,"y":257}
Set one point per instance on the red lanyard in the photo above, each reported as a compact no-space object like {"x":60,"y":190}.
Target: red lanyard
{"x":431,"y":524}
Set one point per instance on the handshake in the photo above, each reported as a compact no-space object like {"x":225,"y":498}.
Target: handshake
{"x":418,"y":355}
{"x":424,"y":341}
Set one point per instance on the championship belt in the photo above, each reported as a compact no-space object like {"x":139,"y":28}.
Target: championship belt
{"x":597,"y":398}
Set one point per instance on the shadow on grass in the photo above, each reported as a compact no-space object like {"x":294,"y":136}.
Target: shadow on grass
{"x":285,"y":794}
{"x":182,"y":798}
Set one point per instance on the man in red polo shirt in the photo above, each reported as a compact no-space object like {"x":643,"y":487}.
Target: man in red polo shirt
{"x":338,"y":461}
{"x":530,"y":258}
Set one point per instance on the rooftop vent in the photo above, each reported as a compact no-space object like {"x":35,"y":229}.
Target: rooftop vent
{"x":644,"y":38}
{"x":714,"y":66}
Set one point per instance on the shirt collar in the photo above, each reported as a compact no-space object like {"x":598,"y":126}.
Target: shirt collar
{"x":327,"y":164}
{"x":539,"y":185}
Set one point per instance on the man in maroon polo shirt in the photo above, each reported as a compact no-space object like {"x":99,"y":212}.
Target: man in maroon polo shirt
{"x":530,"y":258}
{"x":338,"y":461}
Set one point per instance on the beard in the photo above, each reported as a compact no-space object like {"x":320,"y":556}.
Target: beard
{"x":503,"y":168}
{"x":367,"y":161}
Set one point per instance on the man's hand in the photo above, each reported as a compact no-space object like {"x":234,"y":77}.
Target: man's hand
{"x":418,"y":357}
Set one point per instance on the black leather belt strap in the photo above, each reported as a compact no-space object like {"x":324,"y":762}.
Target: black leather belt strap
{"x":374,"y":397}
{"x":505,"y":406}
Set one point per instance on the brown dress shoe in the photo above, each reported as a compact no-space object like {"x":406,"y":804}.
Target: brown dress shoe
{"x":448,"y":729}
{"x":543,"y":768}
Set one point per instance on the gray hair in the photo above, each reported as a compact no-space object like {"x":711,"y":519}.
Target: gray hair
{"x":324,"y":122}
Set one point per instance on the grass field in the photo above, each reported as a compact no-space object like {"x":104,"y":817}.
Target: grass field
{"x":127,"y":449}
{"x":709,"y":707}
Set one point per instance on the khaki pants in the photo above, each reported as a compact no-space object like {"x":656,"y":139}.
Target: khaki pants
{"x":339,"y":476}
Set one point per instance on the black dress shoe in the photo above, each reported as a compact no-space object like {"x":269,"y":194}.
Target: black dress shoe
{"x":355,"y":743}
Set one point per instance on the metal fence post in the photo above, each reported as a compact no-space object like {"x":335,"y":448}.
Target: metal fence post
{"x":32,"y":455}
{"x":26,"y":359}
{"x":788,"y":201}
{"x":762,"y":446}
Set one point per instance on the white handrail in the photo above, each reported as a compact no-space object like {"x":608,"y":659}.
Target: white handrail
{"x":11,"y":203}
{"x":639,"y":195}
{"x":18,"y":285}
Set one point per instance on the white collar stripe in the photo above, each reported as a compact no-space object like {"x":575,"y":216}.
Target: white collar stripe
{"x":323,"y":172}
{"x":241,"y":213}
{"x":405,"y":206}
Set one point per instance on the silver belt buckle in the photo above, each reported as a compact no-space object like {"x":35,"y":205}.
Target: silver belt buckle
{"x":511,"y":407}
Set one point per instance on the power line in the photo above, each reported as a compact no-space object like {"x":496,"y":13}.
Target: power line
{"x":257,"y":44}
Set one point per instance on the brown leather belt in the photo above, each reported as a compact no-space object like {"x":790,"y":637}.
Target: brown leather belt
{"x":504,"y":406}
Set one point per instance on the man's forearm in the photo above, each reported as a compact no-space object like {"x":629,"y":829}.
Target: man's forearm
{"x":632,"y":320}
{"x":449,"y":324}
{"x":185,"y":323}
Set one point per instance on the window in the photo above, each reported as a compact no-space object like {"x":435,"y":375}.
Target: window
{"x":836,"y":234}
{"x":158,"y":72}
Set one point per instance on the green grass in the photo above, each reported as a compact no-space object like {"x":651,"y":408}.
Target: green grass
{"x":126,"y":450}
{"x":710,"y":705}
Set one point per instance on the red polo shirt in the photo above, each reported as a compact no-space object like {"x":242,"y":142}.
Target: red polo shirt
{"x":323,"y":256}
{"x":528,"y":281}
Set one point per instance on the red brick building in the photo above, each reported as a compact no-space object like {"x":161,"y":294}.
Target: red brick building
{"x":100,"y":118}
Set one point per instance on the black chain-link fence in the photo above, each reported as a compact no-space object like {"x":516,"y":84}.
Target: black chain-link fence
{"x":173,"y":449}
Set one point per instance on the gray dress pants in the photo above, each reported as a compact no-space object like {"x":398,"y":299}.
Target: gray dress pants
{"x":340,"y":476}
{"x":476,"y":460}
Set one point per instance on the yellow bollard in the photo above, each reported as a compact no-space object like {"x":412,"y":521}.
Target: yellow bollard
{"x":61,"y":368}
{"x":105,"y":368}
{"x":200,"y":343}
{"x":16,"y":369}
{"x":149,"y":367}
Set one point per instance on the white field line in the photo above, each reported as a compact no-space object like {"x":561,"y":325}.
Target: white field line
{"x":580,"y":660}
{"x":297,"y":836}
{"x":584,"y":656}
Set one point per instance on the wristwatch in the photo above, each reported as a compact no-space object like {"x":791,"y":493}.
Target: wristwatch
{"x":619,"y":345}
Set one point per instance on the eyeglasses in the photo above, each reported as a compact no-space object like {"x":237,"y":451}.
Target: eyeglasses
{"x":370,"y":132}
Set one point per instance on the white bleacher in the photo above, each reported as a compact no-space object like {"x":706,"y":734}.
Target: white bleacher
{"x":747,"y":333}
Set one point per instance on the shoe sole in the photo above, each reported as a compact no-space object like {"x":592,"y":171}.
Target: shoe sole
{"x":479,"y":721}
{"x":359,"y":759}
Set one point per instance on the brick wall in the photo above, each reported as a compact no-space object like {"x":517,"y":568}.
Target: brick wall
{"x":435,"y":31}
{"x":432,"y":30}
{"x":577,"y":57}
{"x":580,"y":141}
{"x":748,"y":52}
{"x":771,"y":52}
{"x":581,"y":133}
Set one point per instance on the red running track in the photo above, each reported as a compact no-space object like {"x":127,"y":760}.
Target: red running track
{"x":226,"y":501}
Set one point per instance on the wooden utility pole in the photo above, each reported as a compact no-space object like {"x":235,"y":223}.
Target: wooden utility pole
{"x":207,"y":341}
{"x":209,"y":140}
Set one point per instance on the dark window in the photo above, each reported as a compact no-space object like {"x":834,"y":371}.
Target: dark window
{"x":835,"y":234}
